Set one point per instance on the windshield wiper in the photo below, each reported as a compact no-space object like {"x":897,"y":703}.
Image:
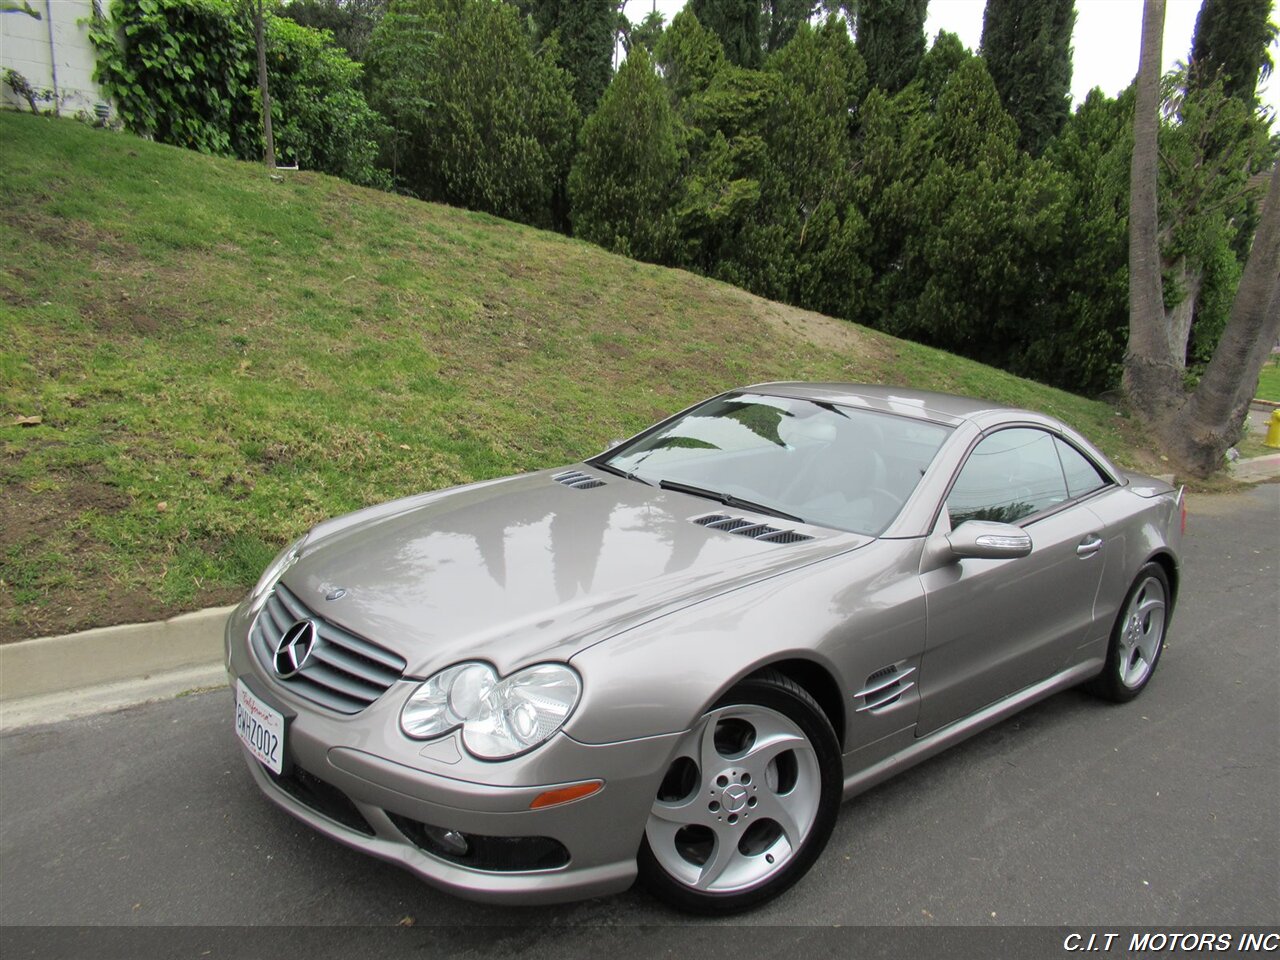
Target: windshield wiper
{"x":619,"y":472}
{"x":728,"y":499}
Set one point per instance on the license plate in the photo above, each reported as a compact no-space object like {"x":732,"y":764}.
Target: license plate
{"x":260,"y":728}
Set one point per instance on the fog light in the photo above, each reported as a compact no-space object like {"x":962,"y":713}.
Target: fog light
{"x":451,"y":840}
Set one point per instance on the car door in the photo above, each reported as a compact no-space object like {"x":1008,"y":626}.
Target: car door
{"x":997,"y":626}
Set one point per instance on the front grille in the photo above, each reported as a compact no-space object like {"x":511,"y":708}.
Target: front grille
{"x":324,"y":798}
{"x":746,"y":528}
{"x":344,"y":672}
{"x":496,"y":854}
{"x":578,"y":480}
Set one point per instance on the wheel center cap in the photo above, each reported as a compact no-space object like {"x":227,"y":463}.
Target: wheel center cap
{"x":734,"y":798}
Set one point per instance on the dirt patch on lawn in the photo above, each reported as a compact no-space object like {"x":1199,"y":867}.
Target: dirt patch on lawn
{"x":829,"y":334}
{"x":124,"y":313}
{"x":42,"y":536}
{"x":30,"y":517}
{"x":837,"y":336}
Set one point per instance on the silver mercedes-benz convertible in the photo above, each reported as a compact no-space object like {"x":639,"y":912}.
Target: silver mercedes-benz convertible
{"x":674,"y":659}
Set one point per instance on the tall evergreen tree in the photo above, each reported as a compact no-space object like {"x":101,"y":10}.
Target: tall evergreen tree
{"x":736,"y":23}
{"x":780,"y":19}
{"x":1027,"y":46}
{"x":689,"y":54}
{"x":621,"y":181}
{"x":479,"y":119}
{"x":890,"y":37}
{"x":961,"y":224}
{"x":586,"y":30}
{"x":1231,"y":40}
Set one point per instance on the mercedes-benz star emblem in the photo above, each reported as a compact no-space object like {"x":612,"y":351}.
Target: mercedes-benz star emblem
{"x":294,"y":648}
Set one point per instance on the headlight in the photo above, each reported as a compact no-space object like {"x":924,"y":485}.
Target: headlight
{"x":499,"y":716}
{"x":285,"y":559}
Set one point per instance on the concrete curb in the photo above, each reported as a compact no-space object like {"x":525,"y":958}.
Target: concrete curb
{"x":88,"y":701}
{"x":111,"y":655}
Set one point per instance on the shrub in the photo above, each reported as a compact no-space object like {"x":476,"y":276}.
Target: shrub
{"x":184,"y":72}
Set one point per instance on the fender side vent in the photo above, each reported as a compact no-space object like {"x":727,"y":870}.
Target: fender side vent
{"x":885,"y":687}
{"x":745,"y":528}
{"x":578,"y":480}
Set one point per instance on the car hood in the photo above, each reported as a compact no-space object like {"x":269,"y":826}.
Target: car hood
{"x":527,"y":568}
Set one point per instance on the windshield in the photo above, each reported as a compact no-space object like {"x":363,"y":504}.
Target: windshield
{"x":831,"y":465}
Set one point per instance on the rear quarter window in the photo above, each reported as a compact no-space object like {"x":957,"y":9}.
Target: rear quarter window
{"x":1082,"y":476}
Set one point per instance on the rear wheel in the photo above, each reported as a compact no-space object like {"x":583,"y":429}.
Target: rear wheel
{"x":748,"y":802}
{"x":1137,"y":637}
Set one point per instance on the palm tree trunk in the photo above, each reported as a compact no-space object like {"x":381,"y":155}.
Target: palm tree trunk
{"x":1152,"y":374}
{"x":1214,"y":417}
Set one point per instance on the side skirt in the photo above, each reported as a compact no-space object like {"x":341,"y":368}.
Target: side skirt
{"x":926,"y":747}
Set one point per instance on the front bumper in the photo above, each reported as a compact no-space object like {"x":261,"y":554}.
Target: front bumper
{"x":359,"y":780}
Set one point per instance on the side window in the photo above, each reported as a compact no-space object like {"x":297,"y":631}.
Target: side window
{"x":1009,"y":475}
{"x":1082,"y":476}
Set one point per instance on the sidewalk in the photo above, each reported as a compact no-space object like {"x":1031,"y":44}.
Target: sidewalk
{"x":1267,"y":466}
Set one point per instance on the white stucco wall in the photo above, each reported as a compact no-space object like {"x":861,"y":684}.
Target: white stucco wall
{"x":25,"y":47}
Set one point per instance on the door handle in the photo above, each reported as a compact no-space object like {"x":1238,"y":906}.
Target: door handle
{"x":1089,"y":546}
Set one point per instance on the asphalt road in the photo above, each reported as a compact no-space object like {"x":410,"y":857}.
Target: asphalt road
{"x":1165,"y":811}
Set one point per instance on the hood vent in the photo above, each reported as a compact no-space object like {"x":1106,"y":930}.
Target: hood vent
{"x":578,"y":480}
{"x":745,"y":528}
{"x":885,"y":687}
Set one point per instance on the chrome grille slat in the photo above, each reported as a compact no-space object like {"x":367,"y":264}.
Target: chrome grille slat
{"x":261,"y":646}
{"x":370,"y":651}
{"x":372,"y":674}
{"x":344,"y":672}
{"x":279,"y":618}
{"x":290,"y":602}
{"x":321,"y":673}
{"x":322,"y":695}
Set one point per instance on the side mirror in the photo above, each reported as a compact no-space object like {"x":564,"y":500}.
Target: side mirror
{"x":987,"y":540}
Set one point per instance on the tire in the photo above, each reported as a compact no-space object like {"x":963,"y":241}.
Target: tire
{"x":748,"y":802}
{"x":1137,"y":638}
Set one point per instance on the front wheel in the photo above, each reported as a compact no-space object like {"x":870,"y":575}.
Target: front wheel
{"x":1137,"y":637}
{"x":748,"y":802}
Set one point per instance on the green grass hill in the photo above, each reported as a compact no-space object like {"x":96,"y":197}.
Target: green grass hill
{"x":218,"y":361}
